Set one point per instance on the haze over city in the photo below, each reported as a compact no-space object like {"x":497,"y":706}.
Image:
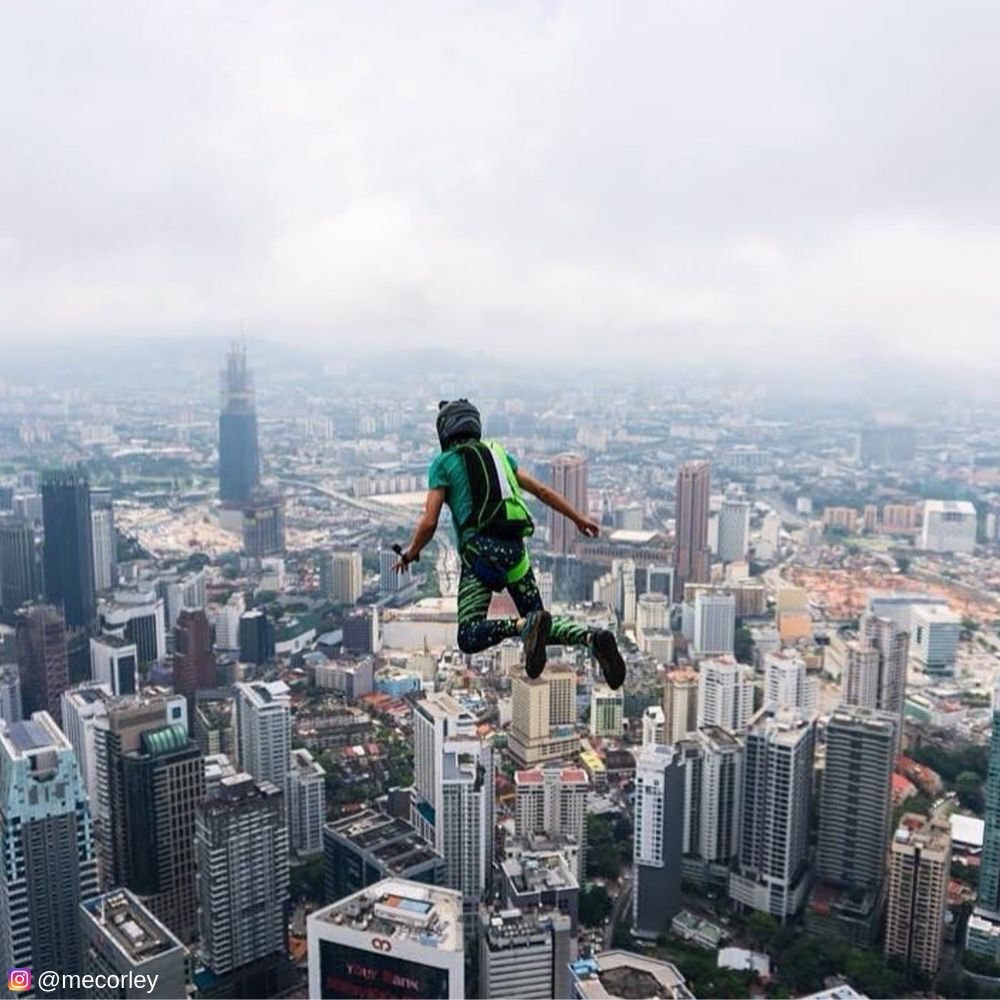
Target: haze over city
{"x":675,"y":182}
{"x":499,"y":500}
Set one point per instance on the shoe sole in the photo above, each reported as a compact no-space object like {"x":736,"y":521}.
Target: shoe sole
{"x":610,"y":658}
{"x":534,"y":645}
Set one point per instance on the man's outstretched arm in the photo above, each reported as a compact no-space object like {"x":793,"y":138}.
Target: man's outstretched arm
{"x":559,"y":503}
{"x":425,"y":529}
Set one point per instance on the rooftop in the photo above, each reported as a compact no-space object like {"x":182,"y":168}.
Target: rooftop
{"x":512,"y":928}
{"x":28,"y":738}
{"x":625,"y":975}
{"x":392,"y":841}
{"x":129,"y":926}
{"x":539,"y":871}
{"x":400,"y":910}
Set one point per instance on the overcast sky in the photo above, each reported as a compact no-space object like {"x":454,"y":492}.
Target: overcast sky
{"x":656,"y":179}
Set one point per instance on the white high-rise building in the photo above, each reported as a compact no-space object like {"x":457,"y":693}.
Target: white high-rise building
{"x":543,"y":726}
{"x":725,"y":694}
{"x":734,"y":530}
{"x":306,"y":804}
{"x":652,"y":617}
{"x":341,"y":576}
{"x":787,"y":683}
{"x":714,"y":624}
{"x":606,"y":710}
{"x":139,"y":614}
{"x":187,"y":592}
{"x":227,"y":622}
{"x":935,"y":631}
{"x":658,"y":837}
{"x":874,"y":668}
{"x":654,"y":726}
{"x":48,"y":866}
{"x":422,"y":926}
{"x":680,"y":704}
{"x":102,"y":528}
{"x":553,"y":801}
{"x":82,"y":706}
{"x":770,"y":537}
{"x":264,"y":730}
{"x":389,"y":581}
{"x":114,"y":661}
{"x":773,"y":863}
{"x":712,"y":759}
{"x":949,"y":526}
{"x":454,"y":800}
{"x":241,"y":848}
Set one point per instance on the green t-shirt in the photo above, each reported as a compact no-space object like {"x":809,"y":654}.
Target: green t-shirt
{"x":448,"y":471}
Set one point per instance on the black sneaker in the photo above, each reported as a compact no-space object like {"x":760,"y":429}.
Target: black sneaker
{"x":535,"y":636}
{"x":605,"y":648}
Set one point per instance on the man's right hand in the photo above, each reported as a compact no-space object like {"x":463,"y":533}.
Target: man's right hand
{"x":588,"y":527}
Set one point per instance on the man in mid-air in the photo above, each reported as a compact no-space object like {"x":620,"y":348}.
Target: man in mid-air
{"x":481,"y":484}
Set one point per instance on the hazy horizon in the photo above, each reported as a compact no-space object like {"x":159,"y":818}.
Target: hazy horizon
{"x":773,"y":184}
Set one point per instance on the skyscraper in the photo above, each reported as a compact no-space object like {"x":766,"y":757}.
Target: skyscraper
{"x":114,"y":661}
{"x":425,"y":932}
{"x":524,"y":954}
{"x":194,"y":661}
{"x":568,"y":476}
{"x":553,"y":801}
{"x":264,"y":730}
{"x":69,"y":547}
{"x":773,"y":862}
{"x":150,"y":777}
{"x":102,"y":526}
{"x":122,"y":937}
{"x":606,"y":711}
{"x":162,"y":784}
{"x":712,"y":759}
{"x":787,"y":683}
{"x":658,"y":839}
{"x":341,"y":576}
{"x":919,"y":869}
{"x":725,"y":694}
{"x":139,"y":614}
{"x":241,"y":847}
{"x":48,"y":864}
{"x":734,"y":530}
{"x":855,"y":800}
{"x":239,"y":458}
{"x":680,"y":704}
{"x":714,"y":623}
{"x":10,"y":695}
{"x":454,"y":798}
{"x":306,"y":804}
{"x":875,"y":669}
{"x":43,"y":659}
{"x":984,"y":927}
{"x":691,"y":556}
{"x":543,"y":724}
{"x":20,"y":562}
{"x":82,"y":706}
{"x":264,"y":526}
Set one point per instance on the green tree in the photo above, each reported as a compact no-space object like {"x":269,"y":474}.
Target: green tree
{"x":306,"y":880}
{"x":595,"y":905}
{"x":903,"y":562}
{"x":743,"y":645}
{"x":969,"y":787}
{"x":762,"y":929}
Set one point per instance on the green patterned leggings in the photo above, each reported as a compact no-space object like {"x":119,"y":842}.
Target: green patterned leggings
{"x":477,"y":632}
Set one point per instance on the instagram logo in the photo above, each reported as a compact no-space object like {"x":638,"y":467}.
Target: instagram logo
{"x":19,"y":980}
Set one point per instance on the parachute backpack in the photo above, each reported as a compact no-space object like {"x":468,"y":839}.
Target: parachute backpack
{"x":498,"y":506}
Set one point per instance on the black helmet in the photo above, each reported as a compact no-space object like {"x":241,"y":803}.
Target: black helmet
{"x":457,"y":419}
